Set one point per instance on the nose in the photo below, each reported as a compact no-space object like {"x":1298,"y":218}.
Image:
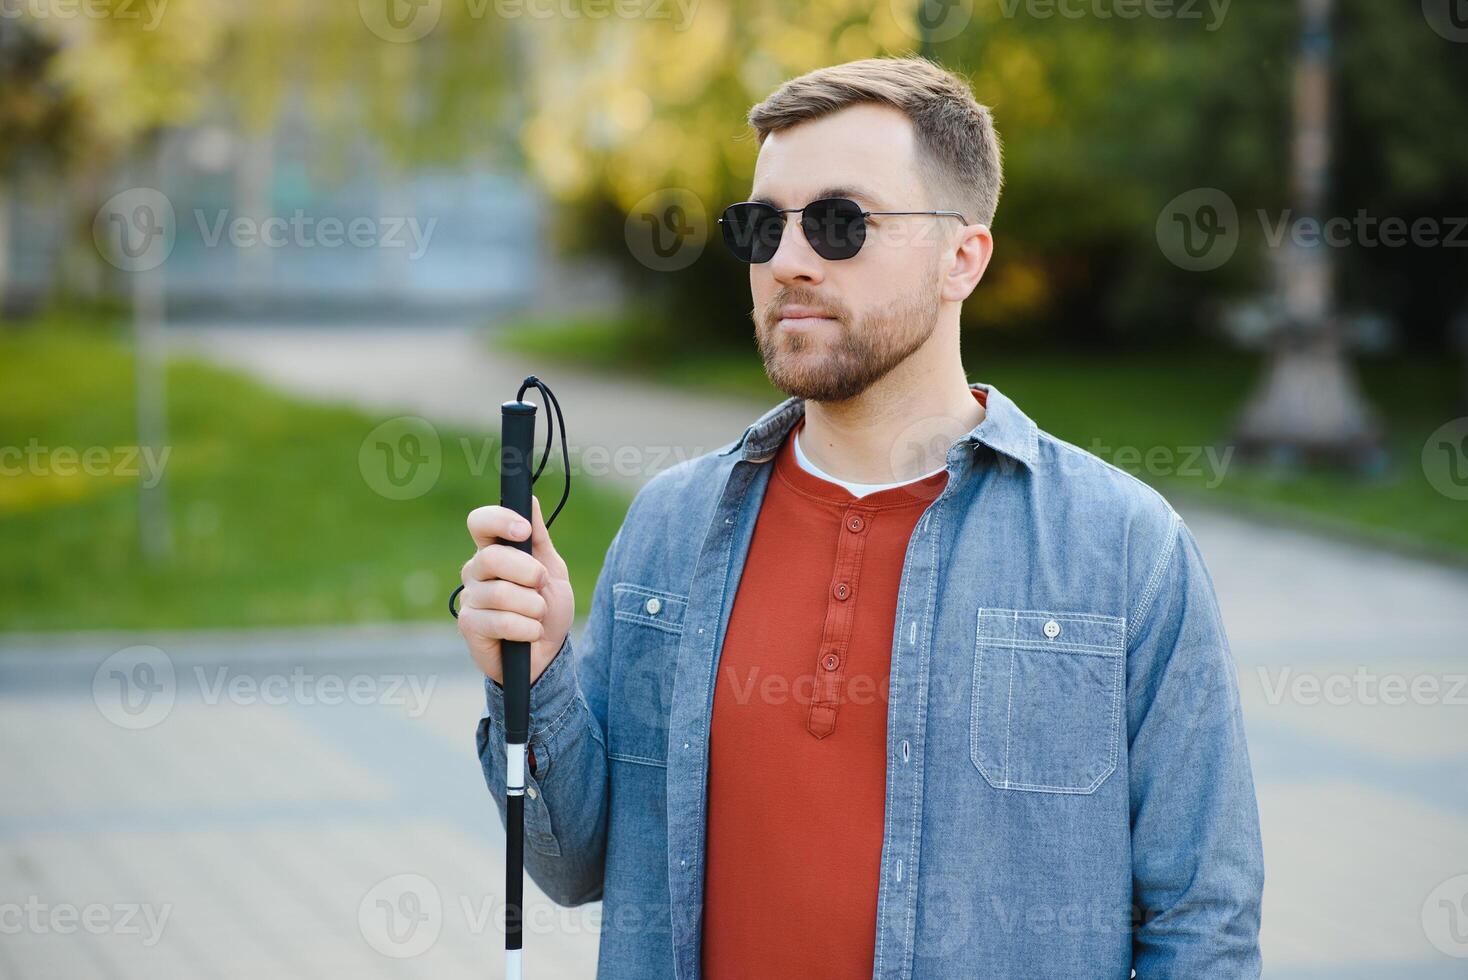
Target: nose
{"x":795,"y":261}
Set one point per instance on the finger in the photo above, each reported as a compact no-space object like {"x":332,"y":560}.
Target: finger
{"x":505,"y":596}
{"x":540,"y":542}
{"x":500,"y":561}
{"x":495,"y":523}
{"x":496,"y":624}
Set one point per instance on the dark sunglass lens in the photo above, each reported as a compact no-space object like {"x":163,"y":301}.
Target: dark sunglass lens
{"x":752,"y":231}
{"x":835,"y":227}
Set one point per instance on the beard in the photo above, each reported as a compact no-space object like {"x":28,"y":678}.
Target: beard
{"x":865,"y":351}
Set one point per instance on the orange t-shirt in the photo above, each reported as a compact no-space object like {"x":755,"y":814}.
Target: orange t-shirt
{"x":797,"y":745}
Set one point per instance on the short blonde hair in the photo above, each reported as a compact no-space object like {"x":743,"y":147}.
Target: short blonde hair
{"x":958,"y":146}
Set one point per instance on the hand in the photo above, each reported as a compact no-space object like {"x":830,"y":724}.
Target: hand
{"x":509,"y":595}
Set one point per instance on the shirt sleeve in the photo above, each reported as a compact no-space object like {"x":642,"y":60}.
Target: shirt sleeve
{"x":567,"y":790}
{"x":1197,"y":859}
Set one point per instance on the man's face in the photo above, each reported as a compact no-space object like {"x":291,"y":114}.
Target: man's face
{"x":828,"y":330}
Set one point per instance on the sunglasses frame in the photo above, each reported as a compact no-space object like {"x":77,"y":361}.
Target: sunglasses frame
{"x":861,"y":217}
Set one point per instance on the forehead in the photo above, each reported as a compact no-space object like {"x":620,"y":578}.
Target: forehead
{"x":867,"y":151}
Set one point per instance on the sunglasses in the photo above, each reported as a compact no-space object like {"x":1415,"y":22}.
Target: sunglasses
{"x":835,"y":227}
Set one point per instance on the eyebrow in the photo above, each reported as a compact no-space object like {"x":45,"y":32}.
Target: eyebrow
{"x":859,"y":194}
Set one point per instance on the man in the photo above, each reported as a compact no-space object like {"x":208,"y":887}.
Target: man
{"x":895,"y":684}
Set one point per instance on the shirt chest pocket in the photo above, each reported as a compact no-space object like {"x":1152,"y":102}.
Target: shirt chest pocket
{"x":1047,"y":698}
{"x":647,"y":627}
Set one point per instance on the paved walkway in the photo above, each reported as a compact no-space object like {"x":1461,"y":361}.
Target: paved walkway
{"x":307,"y":803}
{"x":451,"y":374}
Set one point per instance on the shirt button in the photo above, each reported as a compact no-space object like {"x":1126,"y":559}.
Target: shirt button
{"x":654,"y":606}
{"x":854,"y":524}
{"x":832,"y":661}
{"x":532,"y":792}
{"x":1052,"y":629}
{"x":842,"y":591}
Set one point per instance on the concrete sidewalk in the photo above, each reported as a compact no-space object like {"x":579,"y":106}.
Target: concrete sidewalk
{"x":281,"y":805}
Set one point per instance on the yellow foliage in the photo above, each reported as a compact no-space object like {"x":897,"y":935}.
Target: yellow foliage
{"x":637,"y":106}
{"x":31,"y":492}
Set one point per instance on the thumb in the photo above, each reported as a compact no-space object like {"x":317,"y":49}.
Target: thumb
{"x":541,"y":548}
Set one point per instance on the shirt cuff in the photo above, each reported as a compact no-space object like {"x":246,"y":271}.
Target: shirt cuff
{"x":551,"y":695}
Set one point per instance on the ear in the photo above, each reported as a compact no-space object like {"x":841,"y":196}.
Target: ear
{"x":972,"y":252}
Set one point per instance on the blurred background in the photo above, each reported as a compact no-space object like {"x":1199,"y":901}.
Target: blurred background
{"x":267,"y":269}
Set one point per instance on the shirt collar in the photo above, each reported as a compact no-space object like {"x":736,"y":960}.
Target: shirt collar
{"x":1005,"y":429}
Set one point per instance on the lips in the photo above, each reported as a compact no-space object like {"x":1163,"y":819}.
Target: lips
{"x":802,"y":313}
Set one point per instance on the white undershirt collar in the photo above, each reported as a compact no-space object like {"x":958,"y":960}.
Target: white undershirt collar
{"x":856,"y":489}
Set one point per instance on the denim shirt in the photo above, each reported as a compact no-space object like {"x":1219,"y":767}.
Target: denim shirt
{"x":1068,"y":787}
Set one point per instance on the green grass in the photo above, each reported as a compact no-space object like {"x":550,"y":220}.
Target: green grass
{"x":273,"y":519}
{"x":1176,"y":406}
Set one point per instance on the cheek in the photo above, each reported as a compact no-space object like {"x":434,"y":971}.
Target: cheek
{"x":864,"y":286}
{"x":762,"y":285}
{"x":905,"y":265}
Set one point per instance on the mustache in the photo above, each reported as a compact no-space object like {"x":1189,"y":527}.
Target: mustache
{"x":766,"y":315}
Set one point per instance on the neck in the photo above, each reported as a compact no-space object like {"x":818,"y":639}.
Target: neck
{"x":901,"y":427}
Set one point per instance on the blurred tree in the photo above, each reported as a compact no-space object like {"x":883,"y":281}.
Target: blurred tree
{"x":130,"y":72}
{"x":1105,"y":119}
{"x":37,"y":122}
